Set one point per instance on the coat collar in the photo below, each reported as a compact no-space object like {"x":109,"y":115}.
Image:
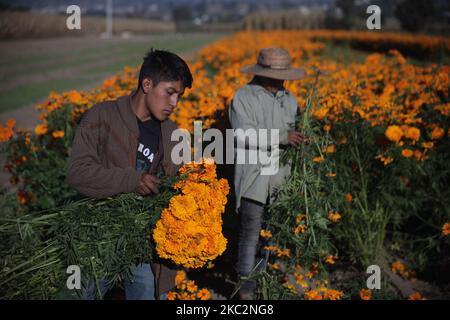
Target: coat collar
{"x":129,"y":118}
{"x":257,"y":87}
{"x":127,"y":114}
{"x":167,"y":126}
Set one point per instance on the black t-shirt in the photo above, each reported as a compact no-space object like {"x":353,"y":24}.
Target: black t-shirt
{"x":149,"y":139}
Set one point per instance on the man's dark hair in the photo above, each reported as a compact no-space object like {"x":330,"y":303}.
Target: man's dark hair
{"x":161,"y":65}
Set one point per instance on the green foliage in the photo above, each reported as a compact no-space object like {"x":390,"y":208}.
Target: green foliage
{"x":389,"y":210}
{"x":310,"y":193}
{"x":304,"y":193}
{"x":38,"y":162}
{"x":400,"y":206}
{"x":363,"y":227}
{"x":104,"y":237}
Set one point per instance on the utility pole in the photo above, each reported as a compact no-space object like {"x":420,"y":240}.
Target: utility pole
{"x":109,"y":18}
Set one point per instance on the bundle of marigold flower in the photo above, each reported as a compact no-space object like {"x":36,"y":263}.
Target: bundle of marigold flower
{"x":189,"y":231}
{"x":88,"y":233}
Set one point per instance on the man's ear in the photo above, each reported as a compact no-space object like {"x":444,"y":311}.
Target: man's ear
{"x":147,"y":85}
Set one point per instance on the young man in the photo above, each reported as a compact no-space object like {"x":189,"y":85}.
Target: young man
{"x":120,"y":147}
{"x":261,"y":104}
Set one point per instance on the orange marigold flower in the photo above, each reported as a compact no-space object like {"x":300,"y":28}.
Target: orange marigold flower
{"x":300,"y":279}
{"x":437,"y":133}
{"x":394,"y":133}
{"x":266,"y":234}
{"x":270,"y":248}
{"x":427,"y":145}
{"x":333,"y":294}
{"x":109,"y":82}
{"x":299,"y":218}
{"x":313,"y":295}
{"x":189,"y":231}
{"x":334,"y":216}
{"x":275,"y":266}
{"x":329,"y":149}
{"x":320,"y":113}
{"x":330,"y":259}
{"x":318,"y":159}
{"x":398,"y":267}
{"x":191,"y":286}
{"x":446,"y":229}
{"x":171,"y":295}
{"x":10,"y":123}
{"x":385,"y":159}
{"x":419,"y":155}
{"x":7,"y":132}
{"x":41,"y":129}
{"x":365,"y":294}
{"x":74,"y":97}
{"x":180,"y":277}
{"x":290,"y":286}
{"x":58,"y":134}
{"x":23,"y":197}
{"x":300,"y":229}
{"x":415,"y":296}
{"x":184,"y":296}
{"x":412,"y":133}
{"x":285,"y":252}
{"x":204,"y":294}
{"x":407,"y":153}
{"x":349,"y":197}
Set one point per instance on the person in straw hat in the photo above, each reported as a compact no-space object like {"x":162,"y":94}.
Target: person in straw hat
{"x":263,"y":103}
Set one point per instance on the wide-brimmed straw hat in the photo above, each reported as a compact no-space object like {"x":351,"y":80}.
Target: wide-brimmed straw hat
{"x":275,"y":63}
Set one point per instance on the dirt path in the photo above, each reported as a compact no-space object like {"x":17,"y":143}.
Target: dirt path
{"x":75,"y":72}
{"x":22,"y":57}
{"x":27,"y":116}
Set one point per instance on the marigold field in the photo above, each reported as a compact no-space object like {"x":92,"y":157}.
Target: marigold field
{"x":371,"y":190}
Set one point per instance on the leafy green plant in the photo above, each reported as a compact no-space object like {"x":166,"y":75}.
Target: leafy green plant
{"x":104,"y":237}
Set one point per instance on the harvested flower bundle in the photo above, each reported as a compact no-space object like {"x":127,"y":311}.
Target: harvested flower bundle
{"x":107,"y":237}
